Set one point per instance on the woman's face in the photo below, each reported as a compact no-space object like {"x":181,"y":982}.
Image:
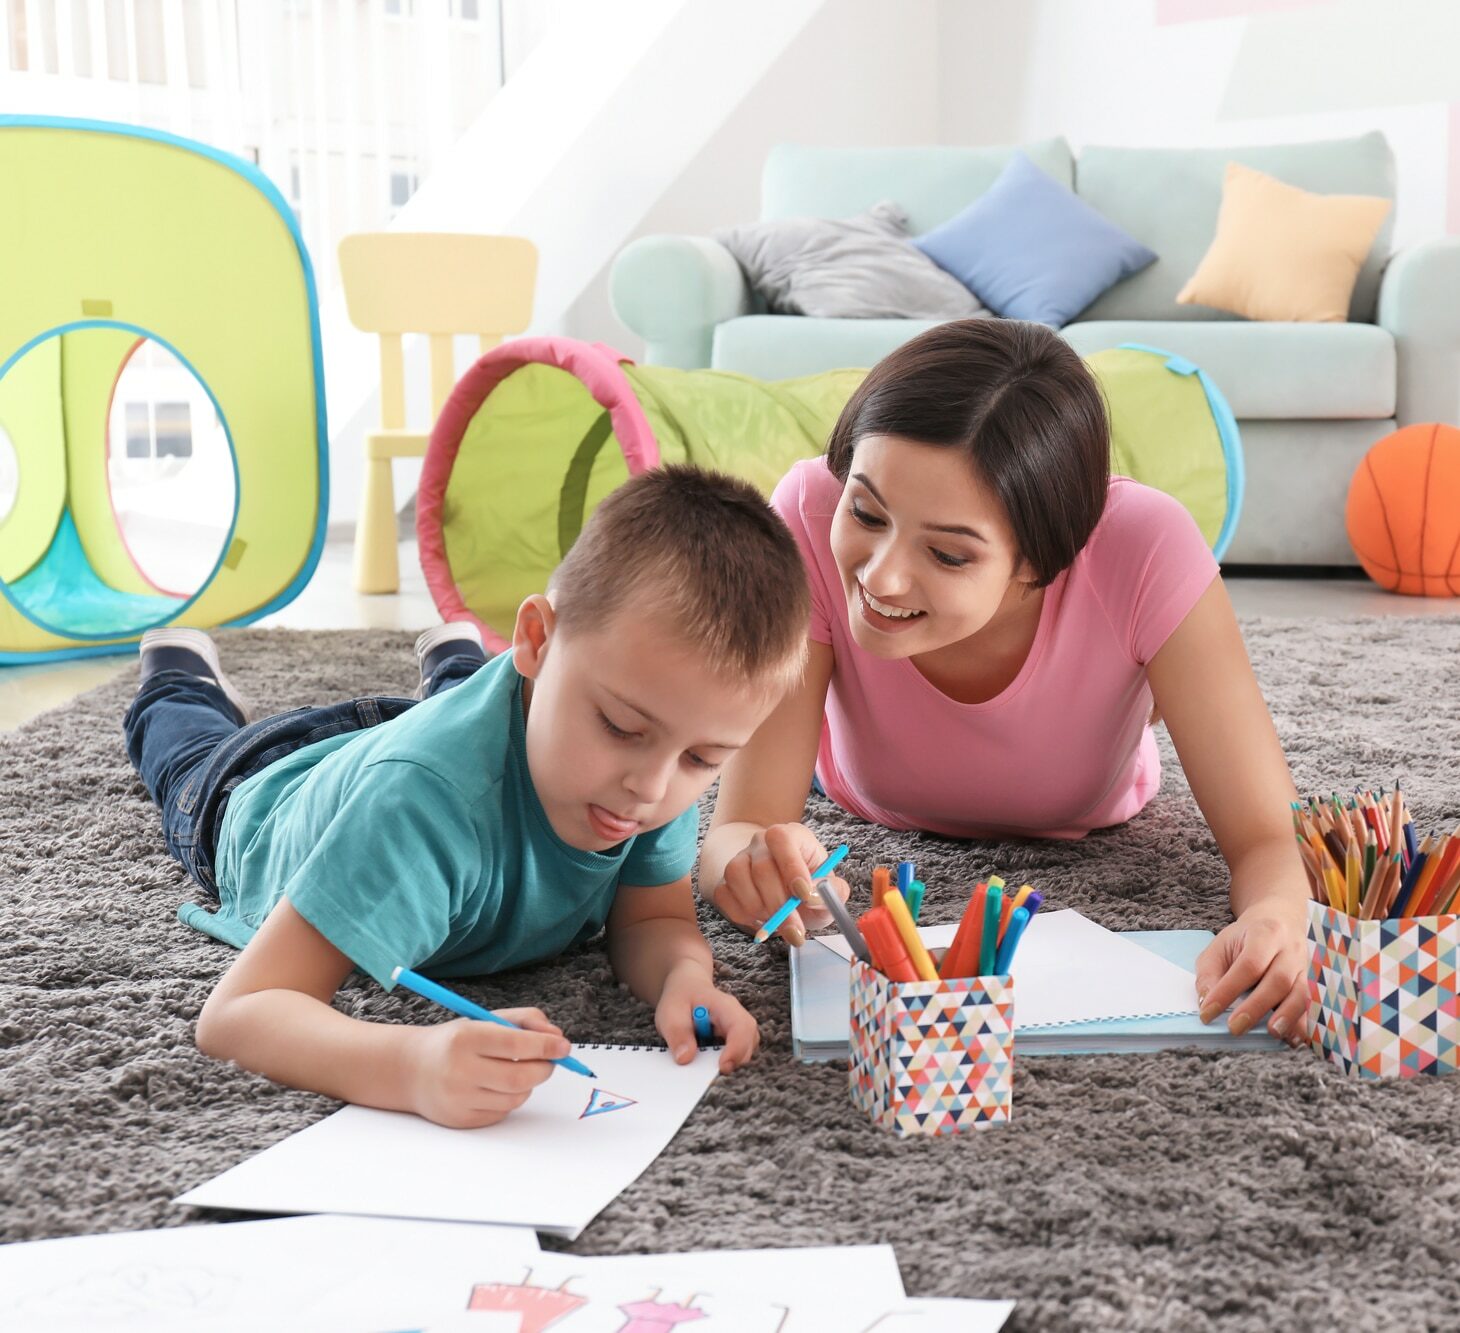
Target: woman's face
{"x":924,"y":549}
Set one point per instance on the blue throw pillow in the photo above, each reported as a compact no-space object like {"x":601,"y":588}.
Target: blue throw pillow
{"x":1029,"y":248}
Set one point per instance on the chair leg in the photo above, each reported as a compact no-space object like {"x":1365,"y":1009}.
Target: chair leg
{"x":377,"y":562}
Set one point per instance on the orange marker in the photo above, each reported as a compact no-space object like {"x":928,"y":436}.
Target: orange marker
{"x":961,"y":960}
{"x":895,"y":905}
{"x":886,"y":944}
{"x":881,"y":882}
{"x":1011,"y":901}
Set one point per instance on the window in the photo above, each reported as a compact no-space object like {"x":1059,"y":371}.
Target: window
{"x":402,"y":187}
{"x":173,"y":430}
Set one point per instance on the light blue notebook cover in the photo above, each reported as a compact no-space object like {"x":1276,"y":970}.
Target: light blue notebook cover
{"x":820,"y":1011}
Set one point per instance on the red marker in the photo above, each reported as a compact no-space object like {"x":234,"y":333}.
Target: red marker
{"x":961,"y":960}
{"x":888,"y":950}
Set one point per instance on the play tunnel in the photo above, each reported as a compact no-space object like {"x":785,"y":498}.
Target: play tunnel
{"x":163,"y":453}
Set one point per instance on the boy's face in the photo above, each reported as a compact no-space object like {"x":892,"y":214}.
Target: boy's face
{"x":627,"y":726}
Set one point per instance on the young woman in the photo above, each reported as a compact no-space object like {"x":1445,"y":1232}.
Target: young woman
{"x":996,"y":624}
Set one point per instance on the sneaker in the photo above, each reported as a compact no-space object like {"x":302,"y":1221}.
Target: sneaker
{"x":456,"y":638}
{"x":190,"y":650}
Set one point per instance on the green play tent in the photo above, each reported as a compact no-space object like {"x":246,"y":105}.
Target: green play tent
{"x":163,"y":454}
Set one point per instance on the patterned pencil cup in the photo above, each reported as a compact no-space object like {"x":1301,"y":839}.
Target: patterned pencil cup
{"x":932,"y":1057}
{"x":1382,"y":998}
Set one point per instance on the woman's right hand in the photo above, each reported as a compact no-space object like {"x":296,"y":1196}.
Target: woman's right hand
{"x":775,"y":865}
{"x":467,"y":1073}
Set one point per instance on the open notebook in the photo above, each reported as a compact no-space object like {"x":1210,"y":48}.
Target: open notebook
{"x":1079,"y":989}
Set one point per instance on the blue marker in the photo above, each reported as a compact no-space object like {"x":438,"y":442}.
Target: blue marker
{"x":1018,"y":919}
{"x":460,"y":1005}
{"x":792,"y":903}
{"x":905,"y":872}
{"x":703,"y":1031}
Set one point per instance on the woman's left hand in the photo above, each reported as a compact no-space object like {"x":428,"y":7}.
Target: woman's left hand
{"x":1264,"y":951}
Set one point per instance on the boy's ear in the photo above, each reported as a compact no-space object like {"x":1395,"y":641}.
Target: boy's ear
{"x":531,"y":635}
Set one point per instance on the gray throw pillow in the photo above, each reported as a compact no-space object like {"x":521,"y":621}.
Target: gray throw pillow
{"x":862,"y":267}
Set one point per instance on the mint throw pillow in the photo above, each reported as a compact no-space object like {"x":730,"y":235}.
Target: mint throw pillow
{"x":1029,"y":248}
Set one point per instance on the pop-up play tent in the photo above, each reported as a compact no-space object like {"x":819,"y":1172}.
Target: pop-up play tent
{"x":162,"y":431}
{"x":541,"y":429}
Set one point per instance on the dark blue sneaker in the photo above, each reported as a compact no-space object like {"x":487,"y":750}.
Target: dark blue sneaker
{"x":456,"y":638}
{"x":193,"y":651}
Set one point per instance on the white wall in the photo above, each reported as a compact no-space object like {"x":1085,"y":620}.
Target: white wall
{"x":859,"y":73}
{"x":1165,"y":72}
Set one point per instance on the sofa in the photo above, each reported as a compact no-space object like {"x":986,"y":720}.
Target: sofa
{"x":1310,"y":398}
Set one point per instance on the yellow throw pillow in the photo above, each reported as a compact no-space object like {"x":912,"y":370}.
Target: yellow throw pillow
{"x":1284,"y":253}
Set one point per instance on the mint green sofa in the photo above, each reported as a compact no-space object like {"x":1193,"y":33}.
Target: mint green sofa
{"x":1309,"y":398}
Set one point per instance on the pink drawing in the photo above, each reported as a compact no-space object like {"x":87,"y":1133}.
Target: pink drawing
{"x":653,"y":1317}
{"x":601,"y":1102}
{"x":538,"y":1307}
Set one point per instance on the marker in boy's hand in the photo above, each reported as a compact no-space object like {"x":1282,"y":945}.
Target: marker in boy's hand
{"x":688,"y":990}
{"x":467,"y":1074}
{"x":776,"y":864}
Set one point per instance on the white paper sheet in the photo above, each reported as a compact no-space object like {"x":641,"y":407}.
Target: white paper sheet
{"x":324,"y":1274}
{"x":553,"y":1164}
{"x":814,"y":1290}
{"x":944,"y":1315}
{"x":1069,"y":970}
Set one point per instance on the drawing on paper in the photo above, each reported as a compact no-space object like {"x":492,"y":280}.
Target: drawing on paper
{"x":601,"y":1102}
{"x":655,"y":1316}
{"x":537,"y":1307}
{"x":128,"y":1292}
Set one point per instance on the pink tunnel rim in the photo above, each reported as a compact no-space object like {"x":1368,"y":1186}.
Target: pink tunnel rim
{"x":596,"y":366}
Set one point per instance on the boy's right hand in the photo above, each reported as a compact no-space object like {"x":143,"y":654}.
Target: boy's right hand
{"x":776,"y":865}
{"x":467,"y":1073}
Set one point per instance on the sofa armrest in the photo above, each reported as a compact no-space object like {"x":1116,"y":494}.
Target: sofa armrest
{"x":1419,"y":304}
{"x":672,"y":291}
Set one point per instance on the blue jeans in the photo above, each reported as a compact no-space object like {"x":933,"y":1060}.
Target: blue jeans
{"x":191,"y":753}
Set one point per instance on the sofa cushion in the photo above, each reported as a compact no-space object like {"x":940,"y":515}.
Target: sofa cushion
{"x":1030,"y":248}
{"x":1275,"y":371}
{"x":931,"y":184}
{"x":1168,"y":199}
{"x":1285,"y":253}
{"x":777,"y":347}
{"x":862,"y":267}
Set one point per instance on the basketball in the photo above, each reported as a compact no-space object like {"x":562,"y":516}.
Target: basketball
{"x":1403,"y":513}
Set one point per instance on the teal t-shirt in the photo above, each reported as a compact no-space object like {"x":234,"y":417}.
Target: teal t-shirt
{"x":421,"y":843}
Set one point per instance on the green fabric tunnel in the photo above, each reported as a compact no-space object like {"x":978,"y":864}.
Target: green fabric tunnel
{"x":541,"y":429}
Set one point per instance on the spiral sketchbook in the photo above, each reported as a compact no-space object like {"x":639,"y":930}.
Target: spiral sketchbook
{"x":553,"y":1164}
{"x":1079,"y":989}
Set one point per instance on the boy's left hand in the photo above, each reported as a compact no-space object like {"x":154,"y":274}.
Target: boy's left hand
{"x":1264,"y":951}
{"x":674,"y":1017}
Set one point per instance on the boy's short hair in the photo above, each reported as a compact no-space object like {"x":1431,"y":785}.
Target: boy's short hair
{"x":703,"y":553}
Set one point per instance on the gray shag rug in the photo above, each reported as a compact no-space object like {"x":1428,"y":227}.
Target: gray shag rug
{"x":1165,"y":1191}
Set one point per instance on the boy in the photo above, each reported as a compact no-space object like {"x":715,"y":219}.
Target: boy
{"x":521,"y":805}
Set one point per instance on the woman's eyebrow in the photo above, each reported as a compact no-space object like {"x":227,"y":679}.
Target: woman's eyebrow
{"x":958,"y":528}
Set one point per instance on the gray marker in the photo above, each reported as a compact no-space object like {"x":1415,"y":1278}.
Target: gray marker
{"x":846,"y":925}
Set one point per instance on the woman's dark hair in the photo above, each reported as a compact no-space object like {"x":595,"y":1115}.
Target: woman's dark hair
{"x":1020,"y":403}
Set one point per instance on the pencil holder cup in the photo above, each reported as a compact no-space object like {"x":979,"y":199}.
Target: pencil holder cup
{"x":932,"y":1057}
{"x":1382,"y":996}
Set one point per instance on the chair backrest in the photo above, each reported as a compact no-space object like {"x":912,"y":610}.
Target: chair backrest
{"x":437,"y":284}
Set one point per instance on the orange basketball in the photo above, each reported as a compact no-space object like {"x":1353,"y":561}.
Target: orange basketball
{"x":1403,"y":512}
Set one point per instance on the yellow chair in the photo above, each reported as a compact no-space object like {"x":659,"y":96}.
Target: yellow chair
{"x":439,"y":285}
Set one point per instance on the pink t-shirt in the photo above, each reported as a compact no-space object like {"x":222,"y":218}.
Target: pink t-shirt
{"x":1066,"y":747}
